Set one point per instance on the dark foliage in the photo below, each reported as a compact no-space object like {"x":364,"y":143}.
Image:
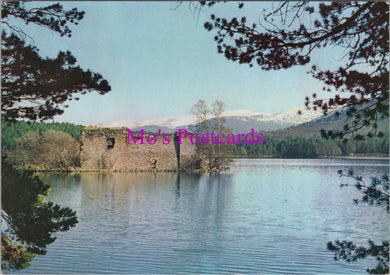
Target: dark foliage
{"x":37,"y":88}
{"x":30,"y":222}
{"x":12,"y":131}
{"x":362,"y":28}
{"x":348,"y":251}
{"x":375,"y":194}
{"x":53,"y":17}
{"x":310,"y":147}
{"x":13,"y":255}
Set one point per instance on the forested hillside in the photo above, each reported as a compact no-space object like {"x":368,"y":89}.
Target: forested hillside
{"x":11,"y":132}
{"x":303,"y":141}
{"x":311,"y":147}
{"x":328,"y":122}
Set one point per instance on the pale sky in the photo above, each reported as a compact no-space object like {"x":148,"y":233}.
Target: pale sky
{"x":159,"y":61}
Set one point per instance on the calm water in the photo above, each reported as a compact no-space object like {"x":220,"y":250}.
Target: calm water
{"x":263,"y":216}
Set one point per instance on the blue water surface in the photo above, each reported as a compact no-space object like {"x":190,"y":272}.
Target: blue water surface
{"x":263,"y":216}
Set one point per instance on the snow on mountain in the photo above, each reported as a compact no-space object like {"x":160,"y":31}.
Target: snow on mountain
{"x":245,"y":113}
{"x":237,"y":120}
{"x":168,"y":122}
{"x":291,"y":116}
{"x":174,"y":122}
{"x":119,"y":123}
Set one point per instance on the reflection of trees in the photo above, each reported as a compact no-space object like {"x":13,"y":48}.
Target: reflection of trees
{"x":209,"y":201}
{"x":178,"y":185}
{"x":28,"y":221}
{"x":214,"y":157}
{"x":287,"y":36}
{"x":36,"y":88}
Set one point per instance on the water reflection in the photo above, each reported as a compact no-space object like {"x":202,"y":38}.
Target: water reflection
{"x":178,"y":185}
{"x":264,"y":216}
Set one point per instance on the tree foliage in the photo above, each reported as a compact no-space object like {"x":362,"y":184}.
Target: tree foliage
{"x":374,"y":194}
{"x":53,"y":17}
{"x":14,"y":255}
{"x":37,"y":88}
{"x":361,"y":28}
{"x":214,"y":156}
{"x":310,"y":147}
{"x":49,"y":150}
{"x":361,"y":83}
{"x":12,"y":131}
{"x":28,"y":221}
{"x":348,"y":251}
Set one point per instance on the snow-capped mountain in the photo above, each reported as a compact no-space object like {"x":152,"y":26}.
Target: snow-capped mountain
{"x":237,"y":120}
{"x":292,"y":116}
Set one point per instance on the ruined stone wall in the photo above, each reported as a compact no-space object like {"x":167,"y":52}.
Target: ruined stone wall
{"x":104,"y":148}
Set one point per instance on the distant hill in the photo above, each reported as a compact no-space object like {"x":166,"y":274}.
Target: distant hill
{"x":239,"y":121}
{"x":284,"y":124}
{"x":328,"y":122}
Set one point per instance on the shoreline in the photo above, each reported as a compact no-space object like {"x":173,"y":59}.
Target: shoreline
{"x":77,"y":170}
{"x":355,"y":156}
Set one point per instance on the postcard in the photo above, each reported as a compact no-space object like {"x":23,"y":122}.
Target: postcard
{"x":200,"y":137}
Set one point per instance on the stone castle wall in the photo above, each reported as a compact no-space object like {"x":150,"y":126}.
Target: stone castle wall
{"x":104,"y":148}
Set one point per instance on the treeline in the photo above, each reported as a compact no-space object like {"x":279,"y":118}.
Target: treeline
{"x":311,"y":147}
{"x":49,"y":150}
{"x":41,"y":145}
{"x":57,"y":146}
{"x":11,"y":132}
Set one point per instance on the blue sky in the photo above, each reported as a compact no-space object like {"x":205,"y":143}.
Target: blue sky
{"x":159,"y":61}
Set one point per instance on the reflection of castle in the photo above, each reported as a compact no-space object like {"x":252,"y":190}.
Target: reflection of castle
{"x":104,"y":148}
